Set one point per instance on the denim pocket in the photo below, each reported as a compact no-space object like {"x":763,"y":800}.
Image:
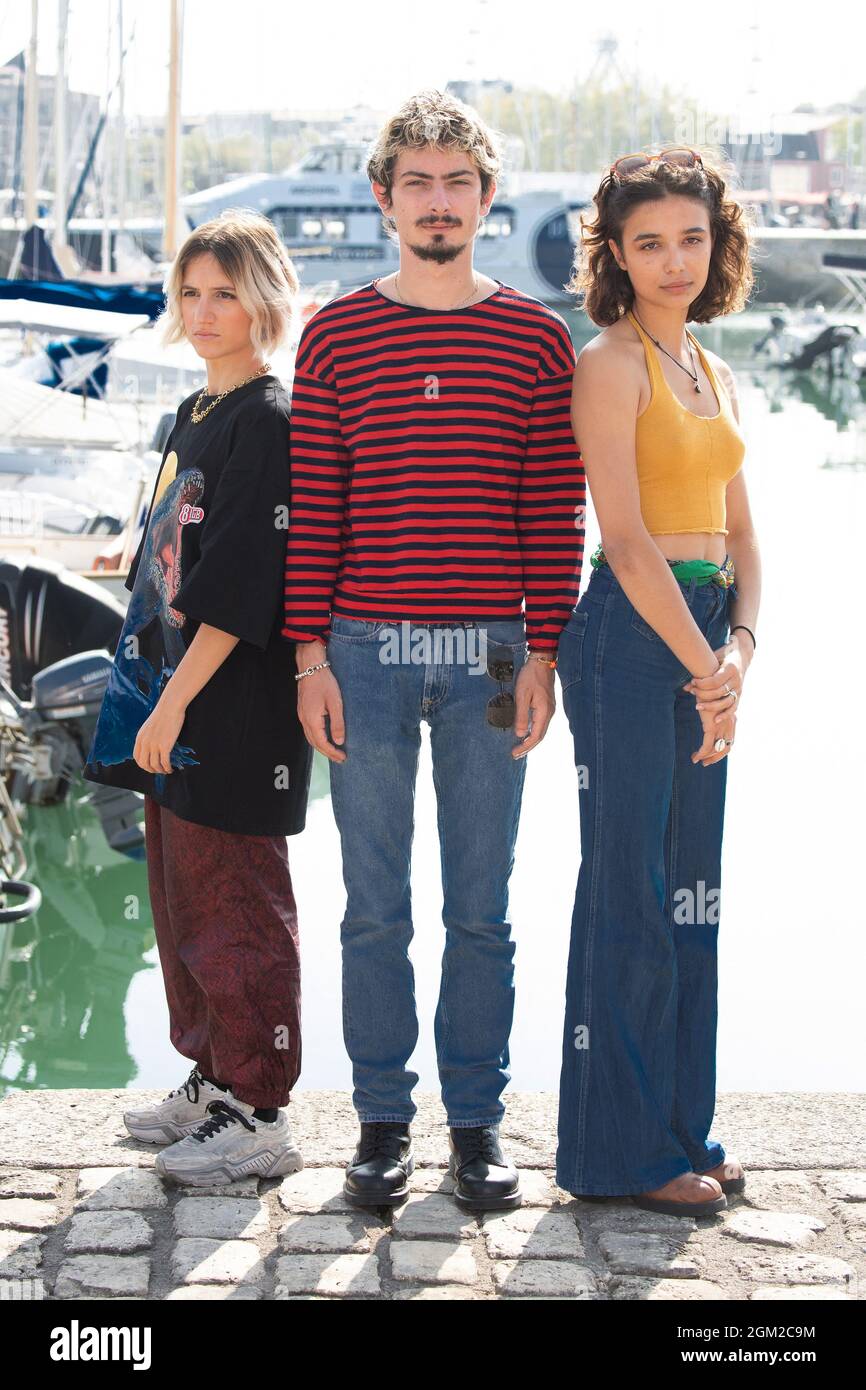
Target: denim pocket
{"x":718,"y":633}
{"x":503,"y":634}
{"x":710,"y":612}
{"x":642,"y":626}
{"x":355,"y":629}
{"x":570,"y":659}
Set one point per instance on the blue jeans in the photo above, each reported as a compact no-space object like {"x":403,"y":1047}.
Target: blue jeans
{"x":478,"y":789}
{"x":637,"y":1087}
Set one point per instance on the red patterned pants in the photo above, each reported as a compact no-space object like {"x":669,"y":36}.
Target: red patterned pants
{"x":227,"y":932}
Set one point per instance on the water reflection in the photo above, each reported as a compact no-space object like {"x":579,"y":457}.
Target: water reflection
{"x":66,"y":971}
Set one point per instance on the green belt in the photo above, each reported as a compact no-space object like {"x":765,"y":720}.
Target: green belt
{"x":701,"y":571}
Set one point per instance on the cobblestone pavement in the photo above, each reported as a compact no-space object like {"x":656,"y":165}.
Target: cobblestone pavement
{"x":83,"y":1215}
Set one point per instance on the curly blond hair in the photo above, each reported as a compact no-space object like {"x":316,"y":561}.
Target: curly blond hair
{"x":607,"y":289}
{"x":435,"y":118}
{"x":249,"y":250}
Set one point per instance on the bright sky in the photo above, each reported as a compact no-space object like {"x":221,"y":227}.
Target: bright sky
{"x":255,"y":54}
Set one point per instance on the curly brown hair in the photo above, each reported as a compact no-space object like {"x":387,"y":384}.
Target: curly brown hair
{"x":607,"y":289}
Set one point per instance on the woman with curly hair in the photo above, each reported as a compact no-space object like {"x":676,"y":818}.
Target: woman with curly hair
{"x":652,"y":663}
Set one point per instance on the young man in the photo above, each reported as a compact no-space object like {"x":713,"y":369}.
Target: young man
{"x":436,"y":488}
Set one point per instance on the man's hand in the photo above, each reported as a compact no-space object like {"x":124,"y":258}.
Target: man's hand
{"x":535,"y":703}
{"x":319,"y":698}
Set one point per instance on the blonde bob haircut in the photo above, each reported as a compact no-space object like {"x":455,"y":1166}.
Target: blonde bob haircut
{"x":250,"y":252}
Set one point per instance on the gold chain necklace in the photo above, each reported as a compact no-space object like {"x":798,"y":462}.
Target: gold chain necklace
{"x":473,"y":291}
{"x":198,"y":415}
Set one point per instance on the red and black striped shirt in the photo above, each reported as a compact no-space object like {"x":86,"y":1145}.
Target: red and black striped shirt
{"x":435,"y":476}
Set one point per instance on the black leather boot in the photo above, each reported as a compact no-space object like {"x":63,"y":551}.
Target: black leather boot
{"x":484,"y":1180}
{"x":379,"y":1171}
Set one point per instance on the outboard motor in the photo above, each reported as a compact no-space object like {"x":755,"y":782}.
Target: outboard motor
{"x":66,"y":702}
{"x":47,"y":613}
{"x":58,"y":634}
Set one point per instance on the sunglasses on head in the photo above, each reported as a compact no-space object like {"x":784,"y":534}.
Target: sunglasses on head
{"x":679,"y":155}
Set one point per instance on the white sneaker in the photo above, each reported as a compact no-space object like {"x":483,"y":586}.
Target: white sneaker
{"x":231,"y":1144}
{"x":182,"y":1111}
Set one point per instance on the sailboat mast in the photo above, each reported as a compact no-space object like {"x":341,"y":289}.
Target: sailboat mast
{"x":105,"y":181}
{"x":59,"y":239}
{"x":31,"y":120}
{"x":172,"y":132}
{"x":121,"y":124}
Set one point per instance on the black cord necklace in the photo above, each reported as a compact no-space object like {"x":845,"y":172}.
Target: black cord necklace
{"x":692,"y":374}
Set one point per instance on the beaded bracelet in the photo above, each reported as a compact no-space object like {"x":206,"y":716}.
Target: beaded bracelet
{"x":310,"y":669}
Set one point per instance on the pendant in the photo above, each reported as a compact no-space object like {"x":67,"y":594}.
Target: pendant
{"x":697,"y":388}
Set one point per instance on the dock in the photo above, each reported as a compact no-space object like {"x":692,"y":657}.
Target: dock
{"x":83,"y":1214}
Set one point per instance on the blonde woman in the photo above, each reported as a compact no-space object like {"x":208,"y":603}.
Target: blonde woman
{"x":200,"y":715}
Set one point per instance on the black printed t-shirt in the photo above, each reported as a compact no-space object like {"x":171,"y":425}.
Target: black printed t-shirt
{"x":213,"y":551}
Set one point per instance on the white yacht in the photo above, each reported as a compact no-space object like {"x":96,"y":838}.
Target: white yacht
{"x":332,"y":228}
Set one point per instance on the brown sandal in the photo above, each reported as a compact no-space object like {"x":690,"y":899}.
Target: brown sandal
{"x":670,"y":1208}
{"x":728,"y":1184}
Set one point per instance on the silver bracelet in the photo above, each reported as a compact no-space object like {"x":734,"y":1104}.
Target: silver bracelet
{"x":310,"y":669}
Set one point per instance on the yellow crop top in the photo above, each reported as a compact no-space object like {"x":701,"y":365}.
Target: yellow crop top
{"x":684,"y":461}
